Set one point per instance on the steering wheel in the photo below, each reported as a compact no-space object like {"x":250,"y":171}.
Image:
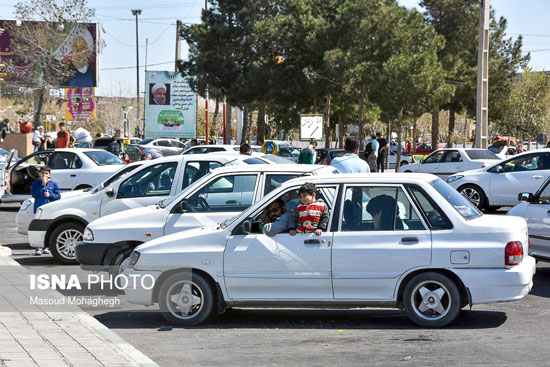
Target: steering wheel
{"x":204,"y":205}
{"x":33,"y":171}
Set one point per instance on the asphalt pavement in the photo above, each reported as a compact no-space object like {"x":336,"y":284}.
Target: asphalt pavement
{"x":509,"y":334}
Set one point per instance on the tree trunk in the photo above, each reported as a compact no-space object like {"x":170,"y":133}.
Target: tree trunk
{"x":315,"y":104}
{"x":450,"y":138}
{"x":415,"y":132}
{"x":245,"y":133}
{"x":38,"y":104}
{"x":327,"y":125}
{"x":340,"y":131}
{"x":260,"y":137}
{"x":214,"y":125}
{"x":389,"y":145}
{"x":399,"y":135}
{"x":466,"y":135}
{"x":361,"y":113}
{"x":435,"y":128}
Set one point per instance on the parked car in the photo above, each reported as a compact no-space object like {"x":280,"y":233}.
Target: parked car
{"x":422,"y":148}
{"x":26,"y":212}
{"x":503,"y":151}
{"x":201,"y":149}
{"x":448,"y":161}
{"x":4,"y":156}
{"x":499,"y":183}
{"x":165,"y":146}
{"x":72,"y":169}
{"x":535,"y":208}
{"x":326,"y":155}
{"x":431,"y":252}
{"x":405,"y":159}
{"x":282,"y":149}
{"x":224,"y":193}
{"x":59,"y":225}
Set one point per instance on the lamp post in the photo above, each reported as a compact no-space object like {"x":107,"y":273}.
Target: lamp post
{"x":137,"y":12}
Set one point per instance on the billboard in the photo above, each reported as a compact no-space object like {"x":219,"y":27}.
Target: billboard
{"x":80,"y":105}
{"x":51,"y":54}
{"x":170,"y":107}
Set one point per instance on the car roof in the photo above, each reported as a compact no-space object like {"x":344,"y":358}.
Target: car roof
{"x":202,"y":157}
{"x":277,"y":168}
{"x":394,"y":178}
{"x":73,"y":150}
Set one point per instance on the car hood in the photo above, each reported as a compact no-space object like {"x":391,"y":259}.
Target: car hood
{"x":129,"y":216}
{"x":409,"y":167}
{"x":70,"y":199}
{"x":172,"y":243}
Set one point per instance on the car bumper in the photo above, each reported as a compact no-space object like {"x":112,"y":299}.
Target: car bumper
{"x":37,"y":238}
{"x":499,"y":285}
{"x":91,"y":255}
{"x":138,"y":291}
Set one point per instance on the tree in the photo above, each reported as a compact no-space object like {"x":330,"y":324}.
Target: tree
{"x":41,"y":38}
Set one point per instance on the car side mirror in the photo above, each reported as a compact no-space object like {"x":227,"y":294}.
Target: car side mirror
{"x":110,"y":192}
{"x":499,"y":169}
{"x":247,"y":226}
{"x":525,"y":196}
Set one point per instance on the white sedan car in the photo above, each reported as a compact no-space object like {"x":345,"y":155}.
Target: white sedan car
{"x":218,"y":148}
{"x":536,"y":210}
{"x":500,"y":183}
{"x":72,"y":169}
{"x":437,"y":256}
{"x":448,"y":161}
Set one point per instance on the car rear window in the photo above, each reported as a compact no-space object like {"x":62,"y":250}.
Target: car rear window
{"x":495,"y":149}
{"x":102,"y":158}
{"x":481,"y":154}
{"x":254,"y":161}
{"x":336,"y":153}
{"x":459,"y":202}
{"x":277,"y":159}
{"x":144,"y":141}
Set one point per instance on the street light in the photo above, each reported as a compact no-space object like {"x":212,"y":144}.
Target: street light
{"x":137,"y":12}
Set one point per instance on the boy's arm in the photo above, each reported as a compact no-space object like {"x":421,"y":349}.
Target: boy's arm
{"x":36,"y":189}
{"x":56,"y":194}
{"x":323,"y":223}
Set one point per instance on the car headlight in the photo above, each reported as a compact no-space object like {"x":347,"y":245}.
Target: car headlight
{"x":453,"y":178}
{"x":25,"y":205}
{"x":133,"y":259}
{"x":38,"y":213}
{"x":88,"y":235}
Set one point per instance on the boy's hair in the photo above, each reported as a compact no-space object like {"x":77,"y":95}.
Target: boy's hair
{"x":61,"y":124}
{"x":45,"y":169}
{"x":308,"y":188}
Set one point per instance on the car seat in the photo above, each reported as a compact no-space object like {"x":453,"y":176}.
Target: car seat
{"x":352,"y":216}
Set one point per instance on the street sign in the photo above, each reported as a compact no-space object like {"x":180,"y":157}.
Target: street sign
{"x":311,"y":127}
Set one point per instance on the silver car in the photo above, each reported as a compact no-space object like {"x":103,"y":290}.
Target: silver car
{"x":165,"y":146}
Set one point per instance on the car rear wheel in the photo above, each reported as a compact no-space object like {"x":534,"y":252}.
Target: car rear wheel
{"x":474,"y":194}
{"x":186,"y":299}
{"x":63,"y":241}
{"x":432,"y":300}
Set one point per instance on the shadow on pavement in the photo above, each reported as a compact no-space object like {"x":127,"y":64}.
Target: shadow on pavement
{"x":541,"y":281}
{"x":4,"y":208}
{"x":299,"y":319}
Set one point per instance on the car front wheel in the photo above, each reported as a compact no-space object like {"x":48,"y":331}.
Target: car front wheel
{"x":474,"y":194}
{"x":63,"y":241}
{"x":432,"y":300}
{"x":186,"y":299}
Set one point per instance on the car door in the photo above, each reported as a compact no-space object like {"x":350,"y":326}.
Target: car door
{"x":450,"y":163}
{"x":537,"y":215}
{"x":176,"y":147}
{"x":144,"y":187}
{"x":257,"y":266}
{"x":66,"y":167}
{"x":220,"y":198}
{"x":525,"y":173}
{"x":431,"y":163}
{"x":369,"y":256}
{"x":164,"y":146}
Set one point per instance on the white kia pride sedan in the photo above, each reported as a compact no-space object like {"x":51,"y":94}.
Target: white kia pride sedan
{"x":500,"y":183}
{"x":420,"y":246}
{"x":535,"y":208}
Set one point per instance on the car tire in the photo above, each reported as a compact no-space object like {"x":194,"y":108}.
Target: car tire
{"x":432,"y":300}
{"x":475,"y":195}
{"x":196,"y":296}
{"x":63,"y":240}
{"x":116,"y":266}
{"x":408,"y":171}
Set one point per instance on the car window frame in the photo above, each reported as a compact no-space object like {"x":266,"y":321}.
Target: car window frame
{"x":144,"y":169}
{"x":425,"y":160}
{"x":408,"y":186}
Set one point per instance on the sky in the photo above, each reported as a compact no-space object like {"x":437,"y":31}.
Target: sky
{"x":157,"y":24}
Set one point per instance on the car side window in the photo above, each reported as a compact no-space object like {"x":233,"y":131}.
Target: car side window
{"x":435,"y":157}
{"x":544,"y":197}
{"x":163,"y":143}
{"x":197,"y":169}
{"x":62,"y":160}
{"x":528,"y":162}
{"x":431,"y":212}
{"x":176,"y":144}
{"x":154,"y":180}
{"x":378,"y":208}
{"x":225,"y":194}
{"x":77,"y":162}
{"x":452,"y":156}
{"x":273,"y":181}
{"x":40,"y":159}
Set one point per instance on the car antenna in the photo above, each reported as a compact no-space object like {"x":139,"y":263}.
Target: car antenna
{"x":223,"y":164}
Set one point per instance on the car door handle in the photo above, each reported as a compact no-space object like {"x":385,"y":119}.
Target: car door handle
{"x":409,"y":239}
{"x":231,"y":202}
{"x":536,"y":177}
{"x":312,"y":242}
{"x":73,"y":175}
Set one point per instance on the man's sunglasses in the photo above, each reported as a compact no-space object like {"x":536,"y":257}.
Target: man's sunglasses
{"x":274,"y":210}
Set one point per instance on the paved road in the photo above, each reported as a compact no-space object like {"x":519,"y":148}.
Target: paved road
{"x":510,"y":334}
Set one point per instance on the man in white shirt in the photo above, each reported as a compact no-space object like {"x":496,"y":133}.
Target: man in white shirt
{"x":350,"y":161}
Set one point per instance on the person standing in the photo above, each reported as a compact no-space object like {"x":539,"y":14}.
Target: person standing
{"x":5,"y":128}
{"x":44,"y":191}
{"x":383,"y":148}
{"x":307,"y":155}
{"x":370,"y":157}
{"x":63,"y":137}
{"x":39,"y":139}
{"x":114,"y":147}
{"x":350,"y":161}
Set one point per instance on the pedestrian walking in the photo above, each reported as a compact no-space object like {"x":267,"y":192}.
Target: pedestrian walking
{"x":382,"y":152}
{"x":63,"y":137}
{"x":307,"y":155}
{"x":370,"y":157}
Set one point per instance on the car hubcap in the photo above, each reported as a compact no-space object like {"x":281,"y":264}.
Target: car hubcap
{"x":66,"y":242}
{"x":184,"y":299}
{"x":431,"y":300}
{"x":472,"y":195}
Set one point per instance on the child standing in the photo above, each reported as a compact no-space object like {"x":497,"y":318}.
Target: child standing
{"x":311,"y":215}
{"x":44,"y":191}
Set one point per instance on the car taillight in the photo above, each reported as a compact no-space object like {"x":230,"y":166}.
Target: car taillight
{"x":141,"y":148}
{"x":513,"y":253}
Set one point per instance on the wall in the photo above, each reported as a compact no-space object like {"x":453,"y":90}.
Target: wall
{"x":19,"y":141}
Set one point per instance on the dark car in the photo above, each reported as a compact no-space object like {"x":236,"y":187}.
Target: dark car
{"x":326,"y":155}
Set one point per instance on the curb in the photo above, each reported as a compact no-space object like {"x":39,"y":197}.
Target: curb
{"x":5,"y":251}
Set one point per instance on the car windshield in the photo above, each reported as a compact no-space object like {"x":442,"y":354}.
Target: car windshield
{"x":495,"y":149}
{"x":144,"y":141}
{"x":102,"y":158}
{"x":115,"y":177}
{"x":459,"y":202}
{"x":481,"y":154}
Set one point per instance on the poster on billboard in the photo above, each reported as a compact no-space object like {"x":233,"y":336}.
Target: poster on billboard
{"x":73,"y":46}
{"x":80,"y":105}
{"x":170,"y":108}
